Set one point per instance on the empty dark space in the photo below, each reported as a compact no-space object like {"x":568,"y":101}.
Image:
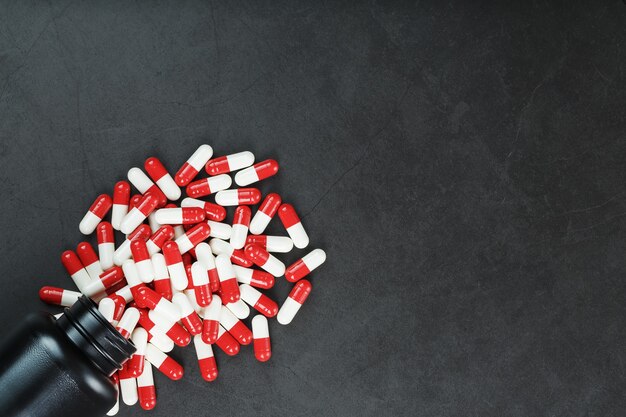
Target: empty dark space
{"x":463,"y":164}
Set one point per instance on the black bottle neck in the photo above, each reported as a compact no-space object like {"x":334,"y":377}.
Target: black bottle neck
{"x":87,"y":328}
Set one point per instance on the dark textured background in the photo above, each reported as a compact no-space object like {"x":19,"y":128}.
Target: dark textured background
{"x":463,"y":165}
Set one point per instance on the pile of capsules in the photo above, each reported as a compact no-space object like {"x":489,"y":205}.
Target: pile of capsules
{"x":164,"y":284}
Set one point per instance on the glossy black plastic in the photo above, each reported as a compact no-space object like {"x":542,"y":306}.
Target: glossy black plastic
{"x":61,"y":368}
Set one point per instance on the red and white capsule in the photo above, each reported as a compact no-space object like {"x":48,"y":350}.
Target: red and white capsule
{"x":168,"y":366}
{"x":145,"y":185}
{"x":89,"y":259}
{"x":189,"y":317}
{"x":193,"y":236}
{"x":143,"y":263}
{"x":128,"y":322}
{"x":158,"y":239}
{"x":254,"y":277}
{"x":139,"y":214}
{"x":259,"y":301}
{"x":201,"y":285}
{"x":137,"y":361}
{"x":95,"y":214}
{"x":278,"y":244}
{"x":235,"y":327}
{"x":292,"y":304}
{"x":146,"y":392}
{"x":158,"y":173}
{"x":293,"y":225}
{"x":303,"y":267}
{"x":262,"y":258}
{"x":175,"y":266}
{"x":134,"y":282}
{"x":128,"y":386}
{"x":172,"y":329}
{"x":237,"y":256}
{"x":228,"y":281}
{"x":267,"y":211}
{"x":211,"y":315}
{"x":208,"y":186}
{"x":157,"y":333}
{"x":194,"y":164}
{"x":212,"y":211}
{"x":238,"y":197}
{"x":123,"y":252}
{"x":106,"y":244}
{"x":261,"y":335}
{"x":58,"y":296}
{"x":241,"y":222}
{"x":180,"y":215}
{"x":75,"y":269}
{"x":206,"y":360}
{"x":229,"y":163}
{"x":162,"y":283}
{"x":227,"y":342}
{"x":257,"y":172}
{"x":207,"y":260}
{"x":121,"y":200}
{"x":104,"y":284}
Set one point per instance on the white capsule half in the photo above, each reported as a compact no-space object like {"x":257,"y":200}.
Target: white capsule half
{"x":139,"y":180}
{"x":105,"y":253}
{"x":238,"y":236}
{"x":89,"y":223}
{"x":260,"y":328}
{"x":288,"y":311}
{"x":259,"y":222}
{"x":118,"y":212}
{"x":239,"y":309}
{"x":220,"y":230}
{"x":128,"y":388}
{"x":227,"y":198}
{"x":298,"y":235}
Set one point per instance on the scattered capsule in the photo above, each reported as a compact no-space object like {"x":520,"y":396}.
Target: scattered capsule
{"x":121,"y":199}
{"x":259,"y":301}
{"x":208,"y":186}
{"x":146,"y":391}
{"x":175,"y":266}
{"x":194,"y":164}
{"x":293,"y":225}
{"x":136,"y":363}
{"x":158,"y":173}
{"x":172,"y":329}
{"x":58,"y":296}
{"x":189,"y":317}
{"x":207,"y":260}
{"x":239,"y":309}
{"x":158,"y":239}
{"x":257,"y":172}
{"x":235,"y":327}
{"x":120,"y":306}
{"x":254,"y":277}
{"x":134,"y":282}
{"x":227,"y":342}
{"x":139,"y":214}
{"x":262,"y":258}
{"x":211,"y":323}
{"x":143,"y":263}
{"x":145,"y":185}
{"x":180,"y":215}
{"x":168,"y":366}
{"x":237,"y":256}
{"x":241,"y":222}
{"x":279,"y":244}
{"x":75,"y":269}
{"x":206,"y":360}
{"x":228,"y":281}
{"x":201,"y":285}
{"x":193,"y":236}
{"x":95,"y":214}
{"x":128,"y":386}
{"x":261,"y":335}
{"x":89,"y":259}
{"x":162,"y":283}
{"x":238,"y":197}
{"x":267,"y":211}
{"x":303,"y":267}
{"x":128,"y":322}
{"x":292,"y":304}
{"x":105,"y":283}
{"x":123,"y":252}
{"x":229,"y":163}
{"x":212,"y":211}
{"x":155,"y":301}
{"x":106,"y":244}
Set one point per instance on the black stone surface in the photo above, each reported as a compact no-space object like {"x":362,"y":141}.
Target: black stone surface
{"x":463,"y":164}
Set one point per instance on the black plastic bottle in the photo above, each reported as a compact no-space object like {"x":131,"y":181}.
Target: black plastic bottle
{"x":61,"y":368}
